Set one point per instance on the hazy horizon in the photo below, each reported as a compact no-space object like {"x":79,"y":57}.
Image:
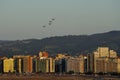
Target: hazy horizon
{"x":24,"y":19}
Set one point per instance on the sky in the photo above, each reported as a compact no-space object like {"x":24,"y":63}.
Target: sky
{"x":24,"y":19}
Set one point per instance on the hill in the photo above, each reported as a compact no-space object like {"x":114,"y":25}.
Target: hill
{"x":71,"y":44}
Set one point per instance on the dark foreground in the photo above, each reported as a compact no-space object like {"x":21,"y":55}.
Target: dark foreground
{"x":57,"y":77}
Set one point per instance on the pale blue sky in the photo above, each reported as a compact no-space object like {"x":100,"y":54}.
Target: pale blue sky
{"x":23,"y":19}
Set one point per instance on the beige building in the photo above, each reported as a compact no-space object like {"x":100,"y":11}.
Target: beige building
{"x":47,"y":65}
{"x":100,"y":65}
{"x":52,"y":64}
{"x":113,"y":54}
{"x":118,"y":64}
{"x":103,"y":51}
{"x":73,"y":64}
{"x":27,"y":64}
{"x":111,"y":65}
{"x":83,"y":63}
{"x":8,"y":65}
{"x":106,"y":65}
{"x":98,"y":57}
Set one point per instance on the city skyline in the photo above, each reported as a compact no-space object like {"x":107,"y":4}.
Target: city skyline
{"x":102,"y":60}
{"x":25,"y":19}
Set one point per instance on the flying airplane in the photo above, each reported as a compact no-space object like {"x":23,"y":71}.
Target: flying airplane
{"x":53,"y":19}
{"x":50,"y":22}
{"x":43,"y":26}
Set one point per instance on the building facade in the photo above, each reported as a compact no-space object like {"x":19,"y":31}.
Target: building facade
{"x":8,"y":65}
{"x":27,"y":64}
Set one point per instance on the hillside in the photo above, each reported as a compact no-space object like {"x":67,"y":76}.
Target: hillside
{"x":66,"y":44}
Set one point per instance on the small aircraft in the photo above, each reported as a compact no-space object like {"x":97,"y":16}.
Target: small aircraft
{"x":53,"y":19}
{"x":43,"y":26}
{"x":50,"y":22}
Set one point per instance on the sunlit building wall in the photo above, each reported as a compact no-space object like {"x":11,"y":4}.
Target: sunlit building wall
{"x":27,"y":64}
{"x":83,"y":63}
{"x":95,"y":57}
{"x":118,"y":64}
{"x":73,"y":64}
{"x":103,"y":51}
{"x":52,"y":65}
{"x":8,"y":65}
{"x":113,"y":54}
{"x":101,"y":65}
{"x":112,"y":65}
{"x":106,"y":65}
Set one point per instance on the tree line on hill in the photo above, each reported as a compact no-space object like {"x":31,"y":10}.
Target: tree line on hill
{"x":71,"y":44}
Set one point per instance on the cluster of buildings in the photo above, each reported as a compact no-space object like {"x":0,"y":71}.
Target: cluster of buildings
{"x":102,"y":60}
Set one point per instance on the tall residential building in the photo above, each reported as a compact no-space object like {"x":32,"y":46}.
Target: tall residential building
{"x":96,"y":55}
{"x":113,"y":54}
{"x":112,"y":65}
{"x":83,"y":63}
{"x":47,"y":65}
{"x":8,"y":65}
{"x":18,"y":65}
{"x":101,"y":65}
{"x":73,"y":64}
{"x":94,"y":58}
{"x":52,"y":65}
{"x":27,"y":64}
{"x":36,"y":64}
{"x":60,"y":65}
{"x":118,"y":64}
{"x":1,"y":65}
{"x":103,"y":51}
{"x":106,"y":65}
{"x":43,"y":65}
{"x":90,"y":62}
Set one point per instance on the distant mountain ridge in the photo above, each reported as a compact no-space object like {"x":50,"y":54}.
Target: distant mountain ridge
{"x":71,"y":44}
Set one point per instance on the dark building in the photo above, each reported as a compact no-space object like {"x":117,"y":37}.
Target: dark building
{"x":1,"y":66}
{"x":36,"y":65}
{"x":60,"y":66}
